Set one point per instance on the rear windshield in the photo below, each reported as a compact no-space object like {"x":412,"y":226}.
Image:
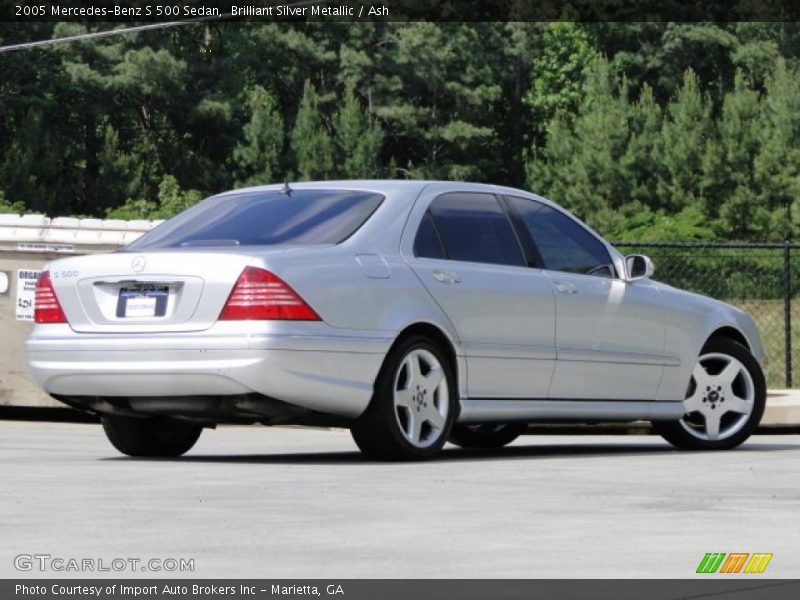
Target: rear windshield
{"x":306,"y":217}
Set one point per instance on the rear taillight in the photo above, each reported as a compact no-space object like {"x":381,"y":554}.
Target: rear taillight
{"x":46,"y":307}
{"x":260,"y":295}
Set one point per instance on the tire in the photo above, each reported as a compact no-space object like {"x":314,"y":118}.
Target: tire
{"x":485,"y":435}
{"x":725,"y":400}
{"x":414,"y":404}
{"x":156,"y":437}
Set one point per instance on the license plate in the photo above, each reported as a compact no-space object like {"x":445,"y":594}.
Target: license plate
{"x":142,"y":302}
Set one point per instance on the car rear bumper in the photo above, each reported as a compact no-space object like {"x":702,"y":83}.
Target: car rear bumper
{"x":333,"y":374}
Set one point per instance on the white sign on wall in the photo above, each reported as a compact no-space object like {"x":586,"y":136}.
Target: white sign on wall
{"x":26,"y":291}
{"x":46,"y":247}
{"x":3,"y":282}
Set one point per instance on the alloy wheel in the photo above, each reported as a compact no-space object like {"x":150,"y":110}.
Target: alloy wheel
{"x":720,"y":398}
{"x":421,"y":398}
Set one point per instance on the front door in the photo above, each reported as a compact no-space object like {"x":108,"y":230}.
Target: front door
{"x":610,"y":333}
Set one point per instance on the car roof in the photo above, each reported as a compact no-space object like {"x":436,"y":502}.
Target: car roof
{"x":389,"y":187}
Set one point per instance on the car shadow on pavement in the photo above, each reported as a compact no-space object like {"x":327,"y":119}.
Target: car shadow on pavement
{"x":516,"y":452}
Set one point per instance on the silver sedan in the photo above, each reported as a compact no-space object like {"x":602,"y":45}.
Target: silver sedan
{"x":412,"y":312}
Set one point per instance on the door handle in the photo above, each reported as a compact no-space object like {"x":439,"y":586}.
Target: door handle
{"x":564,"y":287}
{"x":446,"y":277}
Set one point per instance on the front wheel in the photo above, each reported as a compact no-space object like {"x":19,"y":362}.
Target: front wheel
{"x":724,"y":402}
{"x":414,"y":405}
{"x":153,"y":437}
{"x":485,"y":435}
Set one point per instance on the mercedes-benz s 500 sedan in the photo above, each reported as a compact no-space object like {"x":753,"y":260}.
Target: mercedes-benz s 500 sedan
{"x":411,"y":312}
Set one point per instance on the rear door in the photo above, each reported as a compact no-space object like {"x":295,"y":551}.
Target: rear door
{"x":610,"y":333}
{"x":469,"y":258}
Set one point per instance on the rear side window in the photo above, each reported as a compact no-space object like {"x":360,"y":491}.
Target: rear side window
{"x":562,"y":243}
{"x":427,"y":243}
{"x":306,"y":217}
{"x":473,"y":228}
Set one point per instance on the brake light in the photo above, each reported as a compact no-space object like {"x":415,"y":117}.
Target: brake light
{"x":260,"y":295}
{"x":46,"y":308}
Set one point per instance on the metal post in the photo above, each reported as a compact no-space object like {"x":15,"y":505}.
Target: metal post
{"x":787,"y":310}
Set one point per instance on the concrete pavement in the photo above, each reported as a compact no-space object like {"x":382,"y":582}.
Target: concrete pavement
{"x":290,"y":502}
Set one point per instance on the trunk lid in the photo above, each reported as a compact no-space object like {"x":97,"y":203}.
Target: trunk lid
{"x":163,"y":291}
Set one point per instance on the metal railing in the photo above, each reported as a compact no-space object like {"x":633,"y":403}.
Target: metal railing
{"x":759,"y":278}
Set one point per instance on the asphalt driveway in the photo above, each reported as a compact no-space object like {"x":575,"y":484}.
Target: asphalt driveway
{"x":291,"y":502}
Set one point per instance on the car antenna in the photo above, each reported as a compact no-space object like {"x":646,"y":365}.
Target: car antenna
{"x":286,"y":190}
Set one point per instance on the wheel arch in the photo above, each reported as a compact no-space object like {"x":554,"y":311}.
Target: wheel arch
{"x":731,"y":333}
{"x":435,"y":333}
{"x":444,"y":340}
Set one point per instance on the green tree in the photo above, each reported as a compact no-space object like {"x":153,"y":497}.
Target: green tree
{"x":30,"y":168}
{"x":441,"y":98}
{"x":258,"y":158}
{"x":685,"y":132}
{"x":7,"y":207}
{"x":119,"y":173}
{"x":646,"y":225}
{"x":660,"y":53}
{"x":777,"y":164}
{"x":558,"y":72}
{"x":358,"y":138}
{"x":641,"y":159}
{"x":311,"y":142}
{"x":728,"y":167}
{"x":171,"y":201}
{"x":582,"y":165}
{"x":132,"y":210}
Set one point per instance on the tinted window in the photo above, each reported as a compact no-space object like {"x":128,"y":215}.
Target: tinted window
{"x":306,"y":217}
{"x":563,"y":244}
{"x":474,"y":228}
{"x":427,"y":243}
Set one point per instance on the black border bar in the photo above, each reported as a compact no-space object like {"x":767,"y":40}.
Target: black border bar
{"x":145,"y":11}
{"x":741,"y":587}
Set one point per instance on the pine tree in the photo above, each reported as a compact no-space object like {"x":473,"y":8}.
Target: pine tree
{"x":729,"y":185}
{"x":777,"y":165}
{"x":441,"y":98}
{"x":582,"y":164}
{"x":641,"y":158}
{"x":119,"y":173}
{"x":358,"y":138}
{"x":258,"y":159}
{"x":311,"y":143}
{"x":684,"y":136}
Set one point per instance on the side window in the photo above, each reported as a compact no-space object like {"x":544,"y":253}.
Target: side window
{"x":562,"y":243}
{"x":427,"y":243}
{"x":474,"y":228}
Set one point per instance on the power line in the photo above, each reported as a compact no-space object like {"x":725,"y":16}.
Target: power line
{"x":97,"y":34}
{"x":112,"y":32}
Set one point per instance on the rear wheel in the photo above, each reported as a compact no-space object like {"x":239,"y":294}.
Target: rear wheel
{"x":414,"y":405}
{"x":485,"y":435}
{"x":156,"y":437}
{"x":724,"y":402}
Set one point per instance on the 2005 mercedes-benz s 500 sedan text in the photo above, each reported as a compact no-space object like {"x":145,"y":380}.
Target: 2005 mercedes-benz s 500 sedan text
{"x":411,"y":312}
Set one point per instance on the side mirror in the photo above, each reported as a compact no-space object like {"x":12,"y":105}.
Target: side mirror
{"x":639,"y":267}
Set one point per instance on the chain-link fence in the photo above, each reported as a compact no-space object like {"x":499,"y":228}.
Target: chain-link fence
{"x":759,"y":278}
